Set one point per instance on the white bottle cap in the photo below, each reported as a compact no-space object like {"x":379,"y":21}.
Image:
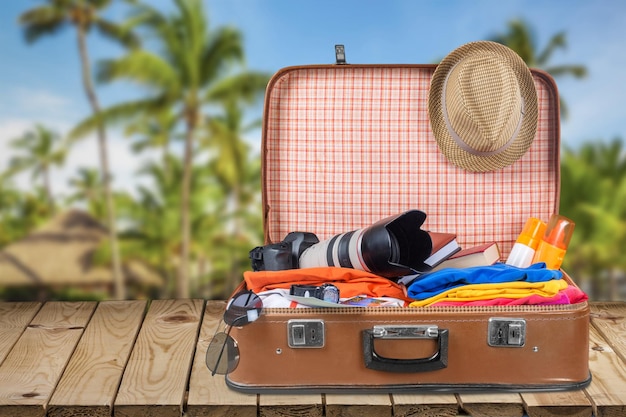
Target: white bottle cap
{"x":520,"y":256}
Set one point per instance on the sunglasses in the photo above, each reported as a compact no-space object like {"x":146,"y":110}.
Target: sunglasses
{"x":222,"y":356}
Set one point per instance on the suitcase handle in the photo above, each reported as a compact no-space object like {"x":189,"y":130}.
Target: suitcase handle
{"x":438,"y":360}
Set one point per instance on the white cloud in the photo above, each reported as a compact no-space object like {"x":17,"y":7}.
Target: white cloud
{"x":36,"y":100}
{"x":123,"y":162}
{"x":23,"y":108}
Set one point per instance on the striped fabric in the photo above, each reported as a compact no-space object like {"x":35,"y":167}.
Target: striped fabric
{"x":345,"y":146}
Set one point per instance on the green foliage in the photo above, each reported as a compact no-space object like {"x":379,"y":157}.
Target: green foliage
{"x":88,"y":191}
{"x":56,"y":15}
{"x":185,"y":76}
{"x":20,"y":211}
{"x":39,"y":149}
{"x":593,"y":194}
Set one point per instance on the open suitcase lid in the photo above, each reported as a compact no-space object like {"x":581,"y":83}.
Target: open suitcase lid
{"x":347,"y":145}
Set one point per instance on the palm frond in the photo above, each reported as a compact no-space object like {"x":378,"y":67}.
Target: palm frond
{"x":118,"y":33}
{"x":117,"y":114}
{"x":144,"y":14}
{"x":246,"y":86}
{"x":577,"y":71}
{"x":191,"y":40}
{"x":556,"y":41}
{"x":519,"y":38}
{"x":226,"y":47}
{"x":100,"y":4}
{"x":41,"y":21}
{"x":142,"y":67}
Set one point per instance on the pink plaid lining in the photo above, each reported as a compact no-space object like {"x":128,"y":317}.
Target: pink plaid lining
{"x":345,"y":146}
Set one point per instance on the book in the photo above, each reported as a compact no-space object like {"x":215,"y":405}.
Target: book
{"x":481,"y":255}
{"x":444,"y":246}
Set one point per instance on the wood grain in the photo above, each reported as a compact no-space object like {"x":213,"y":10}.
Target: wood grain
{"x":31,"y":370}
{"x":607,"y":390}
{"x":426,"y":405}
{"x":553,"y":404}
{"x":209,"y":395}
{"x":345,"y":405}
{"x":610,"y":320}
{"x":155,"y":379}
{"x":492,"y":404}
{"x":291,"y":405}
{"x":89,"y":384}
{"x":14,"y":317}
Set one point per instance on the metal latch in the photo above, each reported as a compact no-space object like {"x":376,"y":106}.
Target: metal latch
{"x":406,"y":332}
{"x":306,"y":333}
{"x":340,"y":54}
{"x":506,"y":332}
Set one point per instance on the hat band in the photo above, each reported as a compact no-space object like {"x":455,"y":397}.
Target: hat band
{"x":459,"y":141}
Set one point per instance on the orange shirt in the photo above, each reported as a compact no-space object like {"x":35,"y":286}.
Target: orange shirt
{"x":350,"y":282}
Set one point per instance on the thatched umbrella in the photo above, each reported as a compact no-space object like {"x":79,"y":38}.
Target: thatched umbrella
{"x":60,"y":254}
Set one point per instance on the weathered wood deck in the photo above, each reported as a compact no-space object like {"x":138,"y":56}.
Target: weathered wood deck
{"x":133,"y":358}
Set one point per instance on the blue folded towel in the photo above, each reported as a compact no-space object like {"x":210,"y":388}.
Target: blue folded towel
{"x":437,"y":282}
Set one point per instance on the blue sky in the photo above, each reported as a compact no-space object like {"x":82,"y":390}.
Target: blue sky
{"x":41,"y":83}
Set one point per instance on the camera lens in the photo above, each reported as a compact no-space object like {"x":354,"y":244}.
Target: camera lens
{"x":392,"y":247}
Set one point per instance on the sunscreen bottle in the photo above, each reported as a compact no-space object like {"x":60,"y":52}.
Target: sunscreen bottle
{"x":524,"y":248}
{"x":555,"y":241}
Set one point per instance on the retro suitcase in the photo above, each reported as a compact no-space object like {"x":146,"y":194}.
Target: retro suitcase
{"x":347,"y":145}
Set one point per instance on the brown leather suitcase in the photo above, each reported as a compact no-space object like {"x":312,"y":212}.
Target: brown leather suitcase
{"x":346,"y":145}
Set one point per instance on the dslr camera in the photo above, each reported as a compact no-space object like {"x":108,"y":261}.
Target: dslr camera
{"x":392,"y":247}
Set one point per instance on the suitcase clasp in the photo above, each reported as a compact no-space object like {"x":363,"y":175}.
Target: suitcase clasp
{"x":305,"y":333}
{"x":506,"y":332}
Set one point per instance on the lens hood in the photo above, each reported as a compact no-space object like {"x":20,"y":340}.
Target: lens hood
{"x":397,"y":246}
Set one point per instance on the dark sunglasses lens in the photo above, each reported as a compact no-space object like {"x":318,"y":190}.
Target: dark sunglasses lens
{"x":245,"y":307}
{"x":222,"y":356}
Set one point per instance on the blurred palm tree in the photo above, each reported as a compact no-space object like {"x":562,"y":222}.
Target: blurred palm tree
{"x":187,"y":74}
{"x":153,"y":233}
{"x":520,"y":38}
{"x":240,"y":179}
{"x":593,"y":191}
{"x":40,"y":149}
{"x":154,"y":131}
{"x":88,"y":189}
{"x":20,"y":212}
{"x":9,"y":198}
{"x":85,"y":15}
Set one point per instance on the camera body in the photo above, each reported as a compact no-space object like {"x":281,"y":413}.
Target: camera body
{"x":282,"y":255}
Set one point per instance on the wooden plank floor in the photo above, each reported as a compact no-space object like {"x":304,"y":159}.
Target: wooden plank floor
{"x":135,"y":358}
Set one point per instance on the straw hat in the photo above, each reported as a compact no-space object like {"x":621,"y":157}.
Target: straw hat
{"x":483,"y":106}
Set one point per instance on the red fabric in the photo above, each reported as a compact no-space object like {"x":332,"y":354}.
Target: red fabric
{"x":350,"y":282}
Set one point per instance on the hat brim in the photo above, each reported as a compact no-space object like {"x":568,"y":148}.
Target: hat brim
{"x":448,"y":146}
